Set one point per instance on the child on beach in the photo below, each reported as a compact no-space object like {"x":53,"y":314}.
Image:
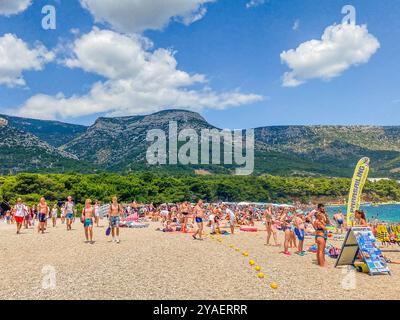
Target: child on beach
{"x":88,"y":212}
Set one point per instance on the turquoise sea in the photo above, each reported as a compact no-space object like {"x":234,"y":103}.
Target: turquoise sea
{"x":388,"y":213}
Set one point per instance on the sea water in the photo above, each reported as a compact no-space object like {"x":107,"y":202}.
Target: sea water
{"x":387,"y":213}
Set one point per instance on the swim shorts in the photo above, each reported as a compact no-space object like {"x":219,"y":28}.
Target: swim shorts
{"x":42,"y":217}
{"x":70,"y":216}
{"x":19,"y":219}
{"x":199,"y":220}
{"x":299,"y":234}
{"x":114,"y":221}
{"x":88,"y":222}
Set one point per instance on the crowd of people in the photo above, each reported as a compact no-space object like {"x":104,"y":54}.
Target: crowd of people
{"x":295,"y":221}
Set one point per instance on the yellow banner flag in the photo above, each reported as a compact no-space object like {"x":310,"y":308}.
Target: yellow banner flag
{"x":357,"y":185}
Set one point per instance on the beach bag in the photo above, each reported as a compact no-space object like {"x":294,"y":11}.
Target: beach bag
{"x":334,"y":252}
{"x":108,"y":231}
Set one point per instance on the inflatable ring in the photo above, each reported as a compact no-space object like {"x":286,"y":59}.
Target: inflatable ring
{"x":249,"y":229}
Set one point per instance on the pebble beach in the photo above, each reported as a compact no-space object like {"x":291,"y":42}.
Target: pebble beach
{"x":149,"y":264}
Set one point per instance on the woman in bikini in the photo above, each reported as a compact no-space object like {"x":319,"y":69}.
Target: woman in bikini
{"x":43,"y":211}
{"x":361,"y":220}
{"x":321,"y":235}
{"x":88,"y":212}
{"x":269,"y":222}
{"x":185,"y":210}
{"x":285,"y":223}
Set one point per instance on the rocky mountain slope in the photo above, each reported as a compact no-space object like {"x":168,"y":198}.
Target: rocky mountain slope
{"x":119,"y":144}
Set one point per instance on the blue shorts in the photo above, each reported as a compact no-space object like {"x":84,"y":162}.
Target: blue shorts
{"x":114,"y":221}
{"x":199,"y":220}
{"x":70,"y":216}
{"x":88,"y":222}
{"x":42,"y":217}
{"x":299,"y":234}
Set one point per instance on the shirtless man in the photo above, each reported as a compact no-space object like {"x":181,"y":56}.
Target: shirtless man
{"x":339,"y":219}
{"x":20,"y":211}
{"x":69,"y":211}
{"x":114,"y":218}
{"x":88,"y":212}
{"x":43,"y":211}
{"x":198,"y":216}
{"x":299,"y":230}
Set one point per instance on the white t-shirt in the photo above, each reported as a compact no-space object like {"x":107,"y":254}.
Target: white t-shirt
{"x":20,"y":210}
{"x":231,"y":214}
{"x":54,"y":213}
{"x":164,"y":212}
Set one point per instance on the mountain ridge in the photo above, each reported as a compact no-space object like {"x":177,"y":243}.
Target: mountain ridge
{"x":119,"y":144}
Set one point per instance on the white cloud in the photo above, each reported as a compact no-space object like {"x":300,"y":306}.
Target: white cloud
{"x":138,"y":81}
{"x":254,"y":3}
{"x":340,"y":47}
{"x":296,"y":25}
{"x":16,"y":57}
{"x":132,"y":16}
{"x":10,"y":7}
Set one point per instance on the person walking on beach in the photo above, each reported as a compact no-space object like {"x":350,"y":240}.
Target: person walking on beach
{"x":321,"y":236}
{"x":20,"y":211}
{"x":198,"y":216}
{"x":54,"y":214}
{"x":114,"y":217}
{"x":69,"y":211}
{"x":97,"y":212}
{"x":88,"y":212}
{"x":43,"y":212}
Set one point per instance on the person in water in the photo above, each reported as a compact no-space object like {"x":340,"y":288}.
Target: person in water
{"x":339,"y":219}
{"x":88,"y":212}
{"x":114,"y":217}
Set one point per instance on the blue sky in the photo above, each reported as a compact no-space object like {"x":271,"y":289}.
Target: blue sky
{"x":228,"y":62}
